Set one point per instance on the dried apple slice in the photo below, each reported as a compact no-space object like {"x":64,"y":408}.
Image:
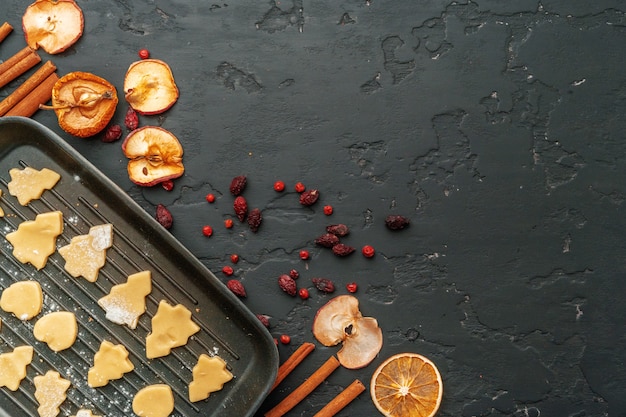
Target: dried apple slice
{"x":155,"y":156}
{"x":149,"y":86}
{"x":83,"y":102}
{"x":53,"y":25}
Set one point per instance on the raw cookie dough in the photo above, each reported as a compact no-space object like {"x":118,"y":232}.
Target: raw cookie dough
{"x":13,"y":366}
{"x":29,"y":184}
{"x":171,"y":327}
{"x":86,"y":254}
{"x":154,"y":401}
{"x":23,"y":298}
{"x":85,"y":413}
{"x":109,"y":363}
{"x":50,"y":392}
{"x":35,"y":240}
{"x":126,"y":302}
{"x":209,"y":375}
{"x":58,"y":329}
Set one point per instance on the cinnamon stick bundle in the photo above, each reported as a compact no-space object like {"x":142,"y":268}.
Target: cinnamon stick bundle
{"x":40,"y":95}
{"x":5,"y":30}
{"x":17,"y":65}
{"x":29,"y":85}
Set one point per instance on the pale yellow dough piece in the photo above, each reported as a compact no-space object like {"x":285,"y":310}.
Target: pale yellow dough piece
{"x":209,"y":375}
{"x":23,"y":298}
{"x":29,"y":184}
{"x":35,"y":240}
{"x":109,"y":363}
{"x":13,"y":366}
{"x":85,"y":413}
{"x":58,"y":329}
{"x":154,"y":401}
{"x":50,"y":392}
{"x":126,"y":302}
{"x":171,"y":327}
{"x":86,"y":254}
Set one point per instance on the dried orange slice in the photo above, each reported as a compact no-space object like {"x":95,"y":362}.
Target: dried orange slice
{"x":53,"y":25}
{"x":149,"y":86}
{"x":407,"y":385}
{"x":83,"y":102}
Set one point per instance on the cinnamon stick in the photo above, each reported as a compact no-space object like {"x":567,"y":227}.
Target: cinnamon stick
{"x":304,"y":389}
{"x":342,"y":399}
{"x":27,"y":86}
{"x":5,"y":29}
{"x":292,"y":362}
{"x":40,"y":95}
{"x":17,"y":65}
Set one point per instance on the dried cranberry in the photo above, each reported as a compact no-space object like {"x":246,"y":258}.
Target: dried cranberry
{"x":396,"y":222}
{"x":285,"y":339}
{"x":264,"y":319}
{"x":236,"y":287}
{"x":309,"y":197}
{"x":303,"y":293}
{"x":299,"y":187}
{"x":287,"y":284}
{"x":168,"y":185}
{"x":113,"y":133}
{"x":294,"y":274}
{"x":279,"y":186}
{"x":228,"y":270}
{"x":327,"y":240}
{"x":341,"y":249}
{"x":352,"y":287}
{"x":340,"y":230}
{"x":241,"y":208}
{"x":238,"y":184}
{"x":323,"y":284}
{"x":164,"y":216}
{"x":254,"y":219}
{"x":368,"y":251}
{"x":131,"y":120}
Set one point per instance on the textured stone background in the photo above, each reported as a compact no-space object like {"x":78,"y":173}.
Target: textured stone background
{"x":497,"y":127}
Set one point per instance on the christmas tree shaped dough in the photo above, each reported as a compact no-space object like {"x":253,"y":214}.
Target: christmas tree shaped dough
{"x":171,"y":327}
{"x":13,"y":366}
{"x":109,"y":363}
{"x":29,"y":184}
{"x":154,"y":401}
{"x":50,"y":392}
{"x":22,"y":298}
{"x":58,"y":329}
{"x":126,"y":302}
{"x":209,"y":375}
{"x":86,"y":254}
{"x":84,"y":413}
{"x":35,"y":240}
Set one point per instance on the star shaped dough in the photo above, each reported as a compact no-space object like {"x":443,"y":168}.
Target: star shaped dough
{"x":86,"y":254}
{"x":50,"y":392}
{"x":171,"y":327}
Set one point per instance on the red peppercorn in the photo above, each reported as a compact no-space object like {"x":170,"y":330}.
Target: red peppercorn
{"x":234,"y":258}
{"x":328,"y":210}
{"x":368,"y":251}
{"x":303,"y":293}
{"x":294,"y":274}
{"x":285,"y":339}
{"x":144,"y":53}
{"x":304,"y":254}
{"x":300,"y":187}
{"x":228,"y":223}
{"x":351,"y":287}
{"x":168,"y":185}
{"x":228,"y":270}
{"x":210,"y":197}
{"x":207,"y":230}
{"x":279,"y":186}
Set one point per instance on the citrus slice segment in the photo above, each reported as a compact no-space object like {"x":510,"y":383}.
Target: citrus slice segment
{"x":407,"y":385}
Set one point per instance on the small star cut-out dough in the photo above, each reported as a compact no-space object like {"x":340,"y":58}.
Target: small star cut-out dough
{"x":13,"y":366}
{"x":109,"y":363}
{"x":29,"y":184}
{"x":86,"y":254}
{"x":209,"y":375}
{"x":171,"y":327}
{"x":85,"y":413}
{"x":126,"y":302}
{"x":154,"y":401}
{"x":50,"y":392}
{"x":58,"y":329}
{"x":35,"y":240}
{"x":22,"y":298}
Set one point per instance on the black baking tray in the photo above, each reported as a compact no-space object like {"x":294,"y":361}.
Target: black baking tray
{"x":87,"y":197}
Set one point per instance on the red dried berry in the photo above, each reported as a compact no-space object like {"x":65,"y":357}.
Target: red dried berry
{"x":309,"y":197}
{"x":238,"y":184}
{"x":279,"y":186}
{"x":287,"y":284}
{"x":328,"y":210}
{"x":131,"y":120}
{"x":264,"y":319}
{"x":294,"y":274}
{"x":254,"y":219}
{"x":164,"y":216}
{"x":341,"y":249}
{"x":143,"y":53}
{"x":323,"y":284}
{"x":285,"y":339}
{"x":168,"y":185}
{"x":396,"y":222}
{"x":234,"y":258}
{"x":240,"y":206}
{"x":303,"y":293}
{"x":327,"y":240}
{"x":228,"y":270}
{"x":352,"y":287}
{"x":304,"y":254}
{"x":368,"y":251}
{"x":113,"y":133}
{"x":210,"y":198}
{"x":340,"y":230}
{"x":299,"y":187}
{"x":236,"y":287}
{"x":207,"y":230}
{"x":228,"y":223}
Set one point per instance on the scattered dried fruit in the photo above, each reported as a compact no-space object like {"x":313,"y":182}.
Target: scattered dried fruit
{"x":294,"y":274}
{"x":341,"y":249}
{"x":279,"y":186}
{"x":327,"y":240}
{"x":149,"y":86}
{"x":228,"y":270}
{"x":396,"y":222}
{"x":328,"y":210}
{"x":287,"y":284}
{"x":264,"y":319}
{"x":324,"y":284}
{"x":143,"y":53}
{"x":210,"y":198}
{"x":113,"y":133}
{"x":254,"y":219}
{"x":303,"y":293}
{"x":53,"y":25}
{"x":352,"y":287}
{"x":309,"y":197}
{"x":236,"y":287}
{"x":131,"y":119}
{"x":164,"y":216}
{"x":240,"y":205}
{"x":238,"y":184}
{"x":340,"y":230}
{"x":207,"y":230}
{"x":285,"y":339}
{"x":304,"y":254}
{"x":228,"y":223}
{"x":299,"y":187}
{"x":168,"y":185}
{"x":234,"y":258}
{"x":368,"y":251}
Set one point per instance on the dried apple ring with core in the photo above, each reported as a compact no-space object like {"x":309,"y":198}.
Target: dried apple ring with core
{"x":53,"y":25}
{"x":149,"y":86}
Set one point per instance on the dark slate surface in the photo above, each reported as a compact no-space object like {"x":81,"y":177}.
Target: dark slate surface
{"x":497,"y":127}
